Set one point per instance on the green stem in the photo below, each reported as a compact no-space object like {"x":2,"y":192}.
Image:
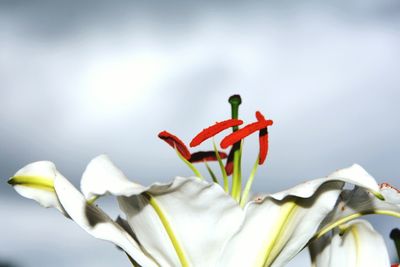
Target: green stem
{"x":249,"y":183}
{"x":212,"y":174}
{"x":222,"y":167}
{"x":190,"y":165}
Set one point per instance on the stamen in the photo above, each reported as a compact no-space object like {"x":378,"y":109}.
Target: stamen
{"x":175,"y":142}
{"x":212,"y":174}
{"x":190,"y":165}
{"x":249,"y":183}
{"x":229,"y":161}
{"x":214,"y":130}
{"x":221,"y":166}
{"x":202,"y":156}
{"x":244,"y":132}
{"x":263,"y":139}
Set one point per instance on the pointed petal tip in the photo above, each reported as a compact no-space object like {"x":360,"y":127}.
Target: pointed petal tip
{"x":11,"y":181}
{"x":379,"y":195}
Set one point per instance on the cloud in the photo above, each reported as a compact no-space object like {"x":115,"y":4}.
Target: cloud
{"x":326,"y":72}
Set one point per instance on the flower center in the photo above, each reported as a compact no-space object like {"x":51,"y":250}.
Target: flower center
{"x":232,"y":166}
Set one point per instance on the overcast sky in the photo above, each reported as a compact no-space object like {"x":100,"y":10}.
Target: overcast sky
{"x":81,"y":79}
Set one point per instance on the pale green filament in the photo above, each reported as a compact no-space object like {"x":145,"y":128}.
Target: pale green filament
{"x":249,"y":183}
{"x":167,"y":226}
{"x":33,"y":182}
{"x":213,"y":177}
{"x":190,"y":165}
{"x":222,"y":167}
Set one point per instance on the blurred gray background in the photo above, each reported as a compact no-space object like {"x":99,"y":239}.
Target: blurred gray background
{"x":78,"y":79}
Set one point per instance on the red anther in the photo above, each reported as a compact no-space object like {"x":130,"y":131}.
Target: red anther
{"x":259,"y":116}
{"x":202,"y":156}
{"x":175,"y":142}
{"x":229,"y":162}
{"x":395,"y":265}
{"x":213,"y":130}
{"x":263,"y":139}
{"x":244,"y":132}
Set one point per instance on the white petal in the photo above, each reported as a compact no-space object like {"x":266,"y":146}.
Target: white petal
{"x":357,"y":244}
{"x":274,"y":231}
{"x":195,"y":210}
{"x":357,"y":202}
{"x":200,"y":215}
{"x":96,"y":222}
{"x":102,"y":176}
{"x":278,"y":226}
{"x":354,"y":175}
{"x":35,"y":181}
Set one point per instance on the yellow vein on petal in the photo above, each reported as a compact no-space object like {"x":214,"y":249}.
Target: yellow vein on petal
{"x":168,"y":228}
{"x":352,"y":217}
{"x":354,"y":232}
{"x":37,"y":182}
{"x":287,"y":212}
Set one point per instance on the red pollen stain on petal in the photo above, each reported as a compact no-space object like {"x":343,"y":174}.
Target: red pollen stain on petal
{"x":244,"y":132}
{"x":175,"y":142}
{"x":388,"y":186}
{"x":202,"y":156}
{"x":213,"y":130}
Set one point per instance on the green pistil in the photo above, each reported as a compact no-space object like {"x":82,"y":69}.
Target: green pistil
{"x":37,"y":182}
{"x":235,"y":101}
{"x":395,"y":236}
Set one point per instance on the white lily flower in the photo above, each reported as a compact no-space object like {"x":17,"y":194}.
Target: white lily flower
{"x":353,"y":244}
{"x":190,"y":222}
